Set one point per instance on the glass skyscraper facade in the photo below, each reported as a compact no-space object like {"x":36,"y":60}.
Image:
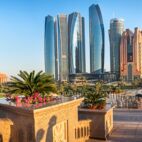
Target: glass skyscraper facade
{"x":76,"y":36}
{"x":56,"y":47}
{"x":96,"y":34}
{"x":61,"y":26}
{"x":115,"y":34}
{"x":49,"y":46}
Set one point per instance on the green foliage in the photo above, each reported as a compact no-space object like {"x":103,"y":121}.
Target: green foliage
{"x":28,"y":83}
{"x":95,"y":95}
{"x":1,"y":95}
{"x":67,"y":89}
{"x":1,"y":88}
{"x":136,"y":83}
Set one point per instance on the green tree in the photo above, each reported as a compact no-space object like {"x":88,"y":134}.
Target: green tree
{"x":28,"y":83}
{"x":95,"y":95}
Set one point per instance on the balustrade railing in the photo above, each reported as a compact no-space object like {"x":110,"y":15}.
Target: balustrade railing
{"x":82,"y":130}
{"x":125,"y":101}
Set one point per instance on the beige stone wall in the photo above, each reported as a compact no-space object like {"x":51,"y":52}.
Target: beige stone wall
{"x":43,"y":125}
{"x":46,"y":118}
{"x":22,"y":129}
{"x":5,"y":129}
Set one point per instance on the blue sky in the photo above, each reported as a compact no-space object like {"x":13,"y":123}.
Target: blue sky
{"x":22,"y":28}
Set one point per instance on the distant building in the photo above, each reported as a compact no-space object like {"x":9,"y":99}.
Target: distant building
{"x":49,"y":46}
{"x":131,"y":55}
{"x":91,"y":78}
{"x":76,"y":38}
{"x":97,"y":41}
{"x":3,"y":78}
{"x":61,"y":26}
{"x":115,"y":33}
{"x":138,"y":49}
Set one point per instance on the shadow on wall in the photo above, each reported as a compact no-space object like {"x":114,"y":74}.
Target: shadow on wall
{"x":28,"y":135}
{"x":39,"y":135}
{"x":1,"y":139}
{"x":49,"y":135}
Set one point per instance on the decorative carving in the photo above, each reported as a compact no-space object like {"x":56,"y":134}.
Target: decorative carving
{"x":60,"y":132}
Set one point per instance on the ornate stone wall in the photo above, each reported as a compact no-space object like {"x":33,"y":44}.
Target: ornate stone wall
{"x":49,"y":124}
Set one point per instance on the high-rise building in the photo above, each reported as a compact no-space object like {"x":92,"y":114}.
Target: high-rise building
{"x":138,"y":49}
{"x":131,"y":55}
{"x":61,"y":26}
{"x":49,"y":46}
{"x":115,"y":33}
{"x":56,"y":47}
{"x":96,"y":34}
{"x":76,"y":36}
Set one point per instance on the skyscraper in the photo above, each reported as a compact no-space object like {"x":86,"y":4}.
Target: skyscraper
{"x":138,"y":46}
{"x":96,"y":34}
{"x":49,"y":46}
{"x":61,"y":26}
{"x":115,"y":33}
{"x":131,"y":55}
{"x":76,"y":34}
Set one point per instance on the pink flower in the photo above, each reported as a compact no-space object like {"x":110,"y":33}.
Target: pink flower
{"x":44,"y":99}
{"x":40,"y":99}
{"x":36,"y":94}
{"x":19,"y":104}
{"x":17,"y":99}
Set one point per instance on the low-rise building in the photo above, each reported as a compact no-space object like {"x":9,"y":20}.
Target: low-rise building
{"x":3,"y":78}
{"x":92,"y":77}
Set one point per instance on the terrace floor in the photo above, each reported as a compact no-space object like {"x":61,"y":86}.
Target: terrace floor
{"x":127,"y":126}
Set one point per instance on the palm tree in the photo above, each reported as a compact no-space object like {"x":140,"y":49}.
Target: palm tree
{"x":28,"y":83}
{"x":95,"y":95}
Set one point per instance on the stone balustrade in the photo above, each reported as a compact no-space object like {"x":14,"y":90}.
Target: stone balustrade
{"x":82,"y":130}
{"x":125,"y":101}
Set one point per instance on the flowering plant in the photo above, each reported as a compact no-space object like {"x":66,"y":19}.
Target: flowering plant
{"x":36,"y":99}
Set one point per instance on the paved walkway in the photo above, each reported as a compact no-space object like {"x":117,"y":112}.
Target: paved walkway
{"x":127,"y":127}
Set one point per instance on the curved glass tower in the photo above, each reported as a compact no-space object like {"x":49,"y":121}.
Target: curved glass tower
{"x":115,"y":34}
{"x":61,"y":26}
{"x":49,"y":47}
{"x":96,"y":34}
{"x":76,"y":36}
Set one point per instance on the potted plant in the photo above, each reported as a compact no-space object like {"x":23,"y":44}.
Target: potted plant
{"x":94,"y":107}
{"x":30,"y":88}
{"x":95,"y":96}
